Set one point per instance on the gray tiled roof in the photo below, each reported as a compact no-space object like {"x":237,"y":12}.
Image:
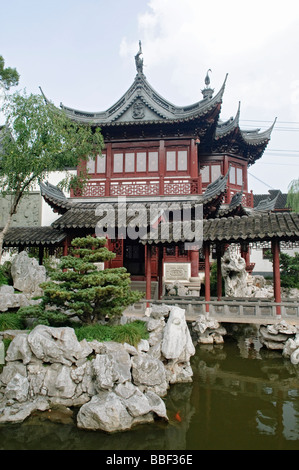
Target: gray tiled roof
{"x":257,"y":227}
{"x":33,"y":236}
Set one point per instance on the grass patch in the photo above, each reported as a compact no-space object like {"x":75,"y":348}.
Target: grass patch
{"x":130,"y":333}
{"x":11,"y":321}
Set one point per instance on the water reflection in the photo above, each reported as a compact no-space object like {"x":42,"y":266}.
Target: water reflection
{"x":242,"y":397}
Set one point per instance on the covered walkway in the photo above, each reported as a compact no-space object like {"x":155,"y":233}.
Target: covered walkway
{"x":221,"y":232}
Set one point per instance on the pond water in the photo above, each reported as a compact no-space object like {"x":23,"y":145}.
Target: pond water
{"x":242,"y":397}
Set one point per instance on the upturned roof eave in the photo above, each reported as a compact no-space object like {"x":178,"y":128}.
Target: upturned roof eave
{"x":161,"y":107}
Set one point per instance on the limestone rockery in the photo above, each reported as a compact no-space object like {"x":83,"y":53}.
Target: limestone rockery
{"x":114,"y":385}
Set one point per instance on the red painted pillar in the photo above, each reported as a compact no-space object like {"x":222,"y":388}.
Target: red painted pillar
{"x":276,"y":274}
{"x":207,"y":275}
{"x":194,"y":263}
{"x":162,"y":165}
{"x":219,"y":274}
{"x":245,"y":254}
{"x":193,"y":159}
{"x":148,"y":273}
{"x":65,"y":247}
{"x":109,"y":164}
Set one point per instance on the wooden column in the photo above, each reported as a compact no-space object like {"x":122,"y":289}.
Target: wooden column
{"x":193,"y":160}
{"x":219,"y":274}
{"x":109,"y":164}
{"x":40,"y":255}
{"x":225,"y":170}
{"x":148,"y":279}
{"x":194,"y":263}
{"x":162,"y":166}
{"x":245,"y":253}
{"x":206,"y":250}
{"x":65,"y":247}
{"x":276,"y":274}
{"x":160,"y":271}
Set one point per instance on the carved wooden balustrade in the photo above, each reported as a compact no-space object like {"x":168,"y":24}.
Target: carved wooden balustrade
{"x":141,"y":187}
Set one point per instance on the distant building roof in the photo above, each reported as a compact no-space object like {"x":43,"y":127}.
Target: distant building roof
{"x":275,"y":200}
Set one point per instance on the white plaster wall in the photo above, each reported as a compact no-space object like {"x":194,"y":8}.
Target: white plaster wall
{"x":264,"y":265}
{"x":47,"y":214}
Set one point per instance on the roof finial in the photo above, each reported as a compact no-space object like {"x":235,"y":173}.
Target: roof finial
{"x":138,"y":60}
{"x":207,"y":91}
{"x":207,"y":79}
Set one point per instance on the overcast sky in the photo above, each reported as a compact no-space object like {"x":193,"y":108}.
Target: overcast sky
{"x":81,"y":53}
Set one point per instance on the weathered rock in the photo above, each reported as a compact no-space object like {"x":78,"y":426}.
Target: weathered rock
{"x":58,"y":382}
{"x":159,"y":311}
{"x":277,"y":335}
{"x":120,"y":387}
{"x":208,"y":330}
{"x":291,"y":349}
{"x":103,"y":372}
{"x":2,"y":352}
{"x":233,"y":268}
{"x":19,"y":349}
{"x":113,"y":367}
{"x":17,"y":388}
{"x":56,"y":345}
{"x":18,"y":412}
{"x":106,"y":412}
{"x":10,"y":370}
{"x":177,"y":343}
{"x":11,"y":300}
{"x":148,"y":373}
{"x":121,"y":409}
{"x":27,"y":274}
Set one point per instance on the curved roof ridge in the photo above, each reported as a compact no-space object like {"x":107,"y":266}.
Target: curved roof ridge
{"x":257,"y":137}
{"x":228,"y":126}
{"x":142,"y":89}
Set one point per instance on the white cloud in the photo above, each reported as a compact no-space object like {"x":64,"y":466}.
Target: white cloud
{"x":255,"y":42}
{"x":251,"y":41}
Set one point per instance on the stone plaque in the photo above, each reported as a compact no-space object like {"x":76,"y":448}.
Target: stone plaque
{"x":177,"y":271}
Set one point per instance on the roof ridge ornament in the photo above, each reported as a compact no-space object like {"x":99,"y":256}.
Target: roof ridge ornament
{"x":207,"y":91}
{"x":138,"y":60}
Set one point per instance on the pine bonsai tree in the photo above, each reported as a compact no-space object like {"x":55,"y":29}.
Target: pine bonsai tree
{"x":78,"y":289}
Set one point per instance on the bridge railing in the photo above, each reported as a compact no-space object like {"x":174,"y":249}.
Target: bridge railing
{"x":226,"y":309}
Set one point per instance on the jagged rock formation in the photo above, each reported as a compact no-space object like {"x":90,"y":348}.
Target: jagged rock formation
{"x":208,"y":330}
{"x":115,"y":385}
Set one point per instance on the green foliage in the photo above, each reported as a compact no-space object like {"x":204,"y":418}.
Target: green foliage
{"x":84,"y":292}
{"x":289,"y":269}
{"x":5,"y":273}
{"x":289,"y":266}
{"x":38,"y":315}
{"x":293,"y":195}
{"x":130,"y":333}
{"x":213,"y":280}
{"x":39,"y":139}
{"x":8,"y":76}
{"x":11,"y":321}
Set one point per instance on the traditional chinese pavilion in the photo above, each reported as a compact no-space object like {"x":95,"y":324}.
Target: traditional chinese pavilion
{"x":159,"y":153}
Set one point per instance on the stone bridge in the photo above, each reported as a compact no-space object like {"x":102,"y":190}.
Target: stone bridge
{"x":229,"y":310}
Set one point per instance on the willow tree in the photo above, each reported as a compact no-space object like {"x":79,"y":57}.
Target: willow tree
{"x":36,"y":140}
{"x":293,"y":195}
